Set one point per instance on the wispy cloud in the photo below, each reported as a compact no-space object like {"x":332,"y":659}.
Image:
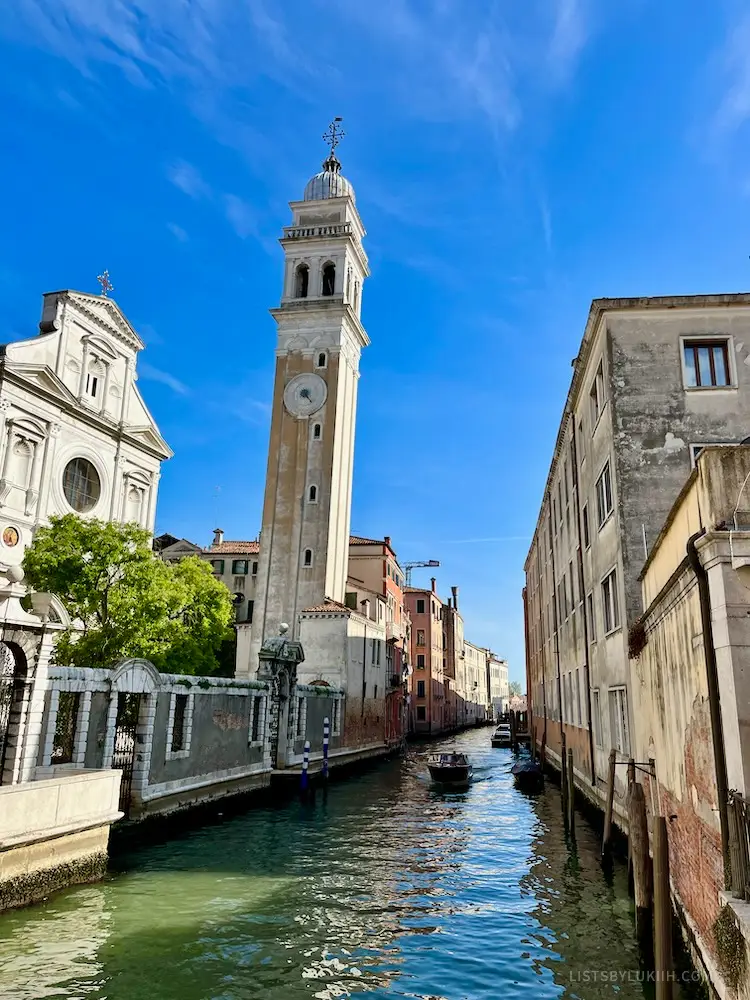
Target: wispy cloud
{"x":569,"y":36}
{"x":240,"y":216}
{"x":178,"y":232}
{"x":188,"y":179}
{"x":733,"y":111}
{"x":147,"y":371}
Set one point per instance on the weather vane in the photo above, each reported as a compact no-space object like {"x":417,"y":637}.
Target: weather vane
{"x":106,"y":284}
{"x":334,"y":135}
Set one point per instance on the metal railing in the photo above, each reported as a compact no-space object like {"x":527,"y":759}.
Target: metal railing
{"x":739,"y":845}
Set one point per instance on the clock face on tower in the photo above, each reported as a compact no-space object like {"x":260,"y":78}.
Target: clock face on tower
{"x":304,"y":394}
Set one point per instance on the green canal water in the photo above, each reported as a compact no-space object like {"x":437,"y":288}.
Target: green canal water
{"x":387,"y":888}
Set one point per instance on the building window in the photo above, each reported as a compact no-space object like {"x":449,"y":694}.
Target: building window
{"x":178,"y":723}
{"x":301,"y":281}
{"x":578,"y":696}
{"x":604,"y":504}
{"x":586,"y":533}
{"x":92,"y":384}
{"x":596,"y":396}
{"x":420,"y":689}
{"x":420,"y":661}
{"x":590,"y":617}
{"x":329,"y":278}
{"x":421,"y":713}
{"x":350,"y":599}
{"x":239,"y":566}
{"x":65,"y":727}
{"x":610,"y":602}
{"x":322,"y":361}
{"x":420,"y":607}
{"x":250,"y":609}
{"x":312,"y":494}
{"x":581,"y":442}
{"x":596,"y":719}
{"x":572,"y":586}
{"x":706,"y":363}
{"x":255,"y":569}
{"x":81,"y":485}
{"x":618,"y":720}
{"x":420,"y":637}
{"x":256,"y":731}
{"x":217,"y":565}
{"x":316,"y":432}
{"x":307,"y":561}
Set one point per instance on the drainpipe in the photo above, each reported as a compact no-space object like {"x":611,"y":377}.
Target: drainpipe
{"x":555,"y":625}
{"x":717,"y":732}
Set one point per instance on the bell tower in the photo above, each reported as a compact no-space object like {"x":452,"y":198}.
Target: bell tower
{"x":304,"y":541}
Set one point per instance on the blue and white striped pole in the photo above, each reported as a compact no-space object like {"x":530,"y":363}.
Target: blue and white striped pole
{"x":326,"y":736}
{"x":305,"y":765}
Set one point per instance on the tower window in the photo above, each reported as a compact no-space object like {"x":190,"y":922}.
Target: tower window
{"x":308,"y":558}
{"x":312,"y":494}
{"x":301,"y":281}
{"x":329,"y":278}
{"x":316,"y":432}
{"x":322,"y":361}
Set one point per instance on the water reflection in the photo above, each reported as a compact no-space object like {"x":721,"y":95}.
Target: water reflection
{"x":388,"y":888}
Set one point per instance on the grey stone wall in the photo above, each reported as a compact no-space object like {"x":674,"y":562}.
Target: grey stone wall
{"x":319,"y":707}
{"x":219,"y":737}
{"x":97,"y":733}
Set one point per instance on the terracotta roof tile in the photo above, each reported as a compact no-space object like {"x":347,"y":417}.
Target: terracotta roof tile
{"x":249,"y":548}
{"x":327,"y":605}
{"x":357,"y":540}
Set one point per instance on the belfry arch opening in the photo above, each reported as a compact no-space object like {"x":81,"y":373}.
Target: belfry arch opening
{"x":301,"y":281}
{"x":329,"y":278}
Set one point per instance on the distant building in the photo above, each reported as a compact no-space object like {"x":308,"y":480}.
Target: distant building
{"x":427,"y":687}
{"x":499,"y":695}
{"x":478,"y":707}
{"x":655,"y":380}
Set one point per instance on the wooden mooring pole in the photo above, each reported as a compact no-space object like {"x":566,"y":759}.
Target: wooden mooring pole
{"x":564,"y":775}
{"x":571,"y":795}
{"x":638,"y":848}
{"x":662,"y":912}
{"x":610,"y":802}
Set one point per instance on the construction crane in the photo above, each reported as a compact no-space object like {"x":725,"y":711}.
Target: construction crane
{"x":408,"y":567}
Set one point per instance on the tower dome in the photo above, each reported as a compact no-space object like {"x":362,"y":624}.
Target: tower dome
{"x":329,"y":183}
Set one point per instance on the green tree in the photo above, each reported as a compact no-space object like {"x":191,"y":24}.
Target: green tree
{"x":514,"y":689}
{"x":125,"y":602}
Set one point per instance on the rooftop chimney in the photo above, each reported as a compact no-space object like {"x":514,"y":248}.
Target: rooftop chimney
{"x":218,"y":536}
{"x":433,"y":581}
{"x":454,"y":591}
{"x":387,"y":540}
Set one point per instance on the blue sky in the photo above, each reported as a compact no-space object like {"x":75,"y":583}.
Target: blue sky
{"x":512,"y":161}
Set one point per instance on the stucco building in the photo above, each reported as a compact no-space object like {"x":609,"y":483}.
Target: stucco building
{"x":655,"y":380}
{"x":427,"y":681}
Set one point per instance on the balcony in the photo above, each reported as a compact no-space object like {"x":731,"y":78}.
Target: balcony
{"x":395,"y":630}
{"x":304,"y":232}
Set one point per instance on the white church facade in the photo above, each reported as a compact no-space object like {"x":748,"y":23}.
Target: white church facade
{"x":75,"y":433}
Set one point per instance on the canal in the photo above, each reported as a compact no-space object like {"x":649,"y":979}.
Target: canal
{"x":387,"y":888}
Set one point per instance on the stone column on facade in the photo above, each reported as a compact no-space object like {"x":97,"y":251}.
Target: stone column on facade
{"x":32,"y":487}
{"x":126,"y":386}
{"x":124,"y":489}
{"x":4,"y":409}
{"x":45,"y":484}
{"x":152,"y":494}
{"x":116,"y":483}
{"x":105,"y":390}
{"x":7,"y":446}
{"x":84,"y":369}
{"x":34,"y":705}
{"x":144,"y":738}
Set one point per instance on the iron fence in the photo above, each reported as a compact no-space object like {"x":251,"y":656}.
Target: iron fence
{"x":739,"y":845}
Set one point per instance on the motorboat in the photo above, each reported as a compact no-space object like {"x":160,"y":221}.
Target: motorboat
{"x":528,"y":775}
{"x":450,"y":768}
{"x":502,"y":736}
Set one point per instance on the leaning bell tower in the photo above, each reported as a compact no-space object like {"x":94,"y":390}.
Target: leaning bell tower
{"x":304,"y":542}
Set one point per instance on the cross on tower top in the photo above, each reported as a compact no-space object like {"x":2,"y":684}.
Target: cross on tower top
{"x":106,"y":284}
{"x":335,"y":134}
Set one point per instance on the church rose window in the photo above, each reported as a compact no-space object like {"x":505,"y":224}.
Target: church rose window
{"x":81,"y":485}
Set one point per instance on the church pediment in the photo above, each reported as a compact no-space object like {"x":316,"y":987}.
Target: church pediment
{"x":43,"y":379}
{"x":105,"y":315}
{"x":148,"y":438}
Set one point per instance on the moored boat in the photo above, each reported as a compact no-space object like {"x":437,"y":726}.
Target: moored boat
{"x":450,"y":768}
{"x":528,"y":775}
{"x":502,"y":736}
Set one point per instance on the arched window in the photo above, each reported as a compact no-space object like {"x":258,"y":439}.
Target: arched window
{"x":301,"y":281}
{"x":317,"y":432}
{"x":312,"y":494}
{"x":308,"y":557}
{"x":322,"y":361}
{"x":329,"y":278}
